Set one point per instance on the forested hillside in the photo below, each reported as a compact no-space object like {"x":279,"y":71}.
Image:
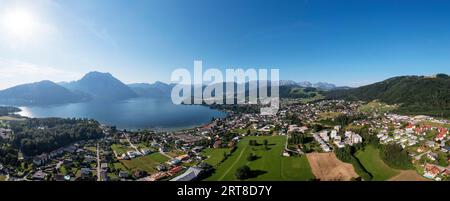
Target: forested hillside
{"x":414,"y":94}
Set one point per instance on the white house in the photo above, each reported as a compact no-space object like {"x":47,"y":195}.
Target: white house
{"x":339,"y":144}
{"x":333,"y":134}
{"x":324,"y":136}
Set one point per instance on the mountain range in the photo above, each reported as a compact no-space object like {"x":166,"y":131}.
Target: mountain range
{"x":325,"y":86}
{"x":157,"y":89}
{"x":40,"y":93}
{"x":101,"y":87}
{"x":96,"y":86}
{"x":414,"y":94}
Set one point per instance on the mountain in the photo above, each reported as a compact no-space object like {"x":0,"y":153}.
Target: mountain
{"x":415,"y":94}
{"x":287,"y":82}
{"x":324,"y":86}
{"x":101,"y":86}
{"x":157,"y":89}
{"x":305,"y":84}
{"x":39,"y":93}
{"x":342,"y":88}
{"x":319,"y":85}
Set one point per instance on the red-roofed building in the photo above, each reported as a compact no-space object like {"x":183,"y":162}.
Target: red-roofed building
{"x":217,"y":144}
{"x":157,"y":176}
{"x":175,"y":170}
{"x":419,"y":131}
{"x":182,"y":157}
{"x":443,"y":130}
{"x":446,"y":172}
{"x":431,"y":171}
{"x":410,"y":125}
{"x":442,"y":133}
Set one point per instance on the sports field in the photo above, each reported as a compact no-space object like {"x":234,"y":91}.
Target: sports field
{"x":268,"y":166}
{"x":370,"y":159}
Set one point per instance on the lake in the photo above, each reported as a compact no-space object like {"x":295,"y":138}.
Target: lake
{"x":140,"y":113}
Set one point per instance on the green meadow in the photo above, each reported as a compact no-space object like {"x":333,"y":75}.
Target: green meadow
{"x":269,"y":165}
{"x":147,"y":163}
{"x":370,"y":159}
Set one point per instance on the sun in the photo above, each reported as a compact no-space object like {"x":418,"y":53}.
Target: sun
{"x":19,"y":23}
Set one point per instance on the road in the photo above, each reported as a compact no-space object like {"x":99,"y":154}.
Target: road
{"x":232,"y":165}
{"x":131,"y":144}
{"x":420,"y":155}
{"x":290,"y":150}
{"x":98,"y":164}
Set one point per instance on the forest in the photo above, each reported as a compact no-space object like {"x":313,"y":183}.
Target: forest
{"x":414,"y":94}
{"x":6,"y":110}
{"x":36,"y":136}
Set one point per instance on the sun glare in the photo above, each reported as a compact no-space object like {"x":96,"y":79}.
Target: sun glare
{"x":19,"y":23}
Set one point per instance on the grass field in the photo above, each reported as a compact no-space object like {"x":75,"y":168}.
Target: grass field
{"x":408,"y":175}
{"x":158,"y":157}
{"x":63,"y":170}
{"x":435,"y":124}
{"x":2,"y":177}
{"x":175,"y":153}
{"x":215,"y":155}
{"x":371,"y":160}
{"x":329,"y":115}
{"x":92,"y":149}
{"x":241,"y":130}
{"x":119,"y":166}
{"x":296,"y":169}
{"x":141,"y":146}
{"x":147,"y":163}
{"x":121,"y":149}
{"x":375,"y":106}
{"x":269,"y":165}
{"x":8,"y":118}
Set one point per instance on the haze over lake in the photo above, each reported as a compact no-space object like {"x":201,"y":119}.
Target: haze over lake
{"x":139,"y":113}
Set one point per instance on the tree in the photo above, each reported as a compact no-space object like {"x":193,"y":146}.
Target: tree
{"x":225,"y":155}
{"x":317,"y":127}
{"x":266,"y":142}
{"x":251,"y":157}
{"x":252,"y":143}
{"x":297,"y":138}
{"x":243,"y":172}
{"x":395,"y":156}
{"x":442,"y":159}
{"x":33,"y":140}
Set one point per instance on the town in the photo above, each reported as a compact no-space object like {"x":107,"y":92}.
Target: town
{"x":346,"y":129}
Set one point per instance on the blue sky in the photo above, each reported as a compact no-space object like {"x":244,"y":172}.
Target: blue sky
{"x":343,"y":42}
